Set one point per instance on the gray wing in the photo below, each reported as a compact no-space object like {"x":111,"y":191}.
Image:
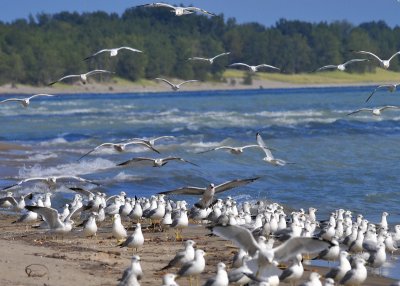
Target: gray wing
{"x":78,"y":179}
{"x":65,"y":77}
{"x":355,"y":61}
{"x":188,"y":81}
{"x":210,"y":282}
{"x":359,"y":110}
{"x":12,"y":99}
{"x":240,"y":64}
{"x":267,"y":66}
{"x":96,"y":72}
{"x":41,"y":94}
{"x":332,"y":273}
{"x":135,"y":160}
{"x":296,"y":245}
{"x":398,"y":53}
{"x":369,"y":53}
{"x":164,"y":80}
{"x":196,"y":9}
{"x":11,"y":200}
{"x":95,"y":54}
{"x":327,"y":67}
{"x":263,"y":146}
{"x":175,"y":261}
{"x":143,"y":143}
{"x":130,"y":49}
{"x":347,"y":276}
{"x":185,"y":191}
{"x":234,"y":184}
{"x":241,"y":236}
{"x":390,"y":107}
{"x":49,"y":214}
{"x":220,"y":55}
{"x":184,"y":268}
{"x":179,"y":159}
{"x":285,"y":274}
{"x":213,"y":149}
{"x":81,"y":191}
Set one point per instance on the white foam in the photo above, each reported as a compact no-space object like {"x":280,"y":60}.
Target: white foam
{"x":52,"y":142}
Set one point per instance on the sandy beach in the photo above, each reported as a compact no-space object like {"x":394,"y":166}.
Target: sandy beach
{"x":99,"y":261}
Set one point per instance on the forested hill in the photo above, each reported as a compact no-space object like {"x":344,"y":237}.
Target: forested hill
{"x":38,"y":50}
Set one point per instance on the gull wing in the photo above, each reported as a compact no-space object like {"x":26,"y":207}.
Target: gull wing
{"x":390,"y":107}
{"x":161,"y":137}
{"x":185,"y":191}
{"x":234,"y":184}
{"x":40,"y":94}
{"x":166,"y":81}
{"x":95,"y":148}
{"x":95,"y":54}
{"x":267,"y":66}
{"x":241,"y":236}
{"x":327,"y":67}
{"x":64,"y":77}
{"x":130,"y":49}
{"x":97,"y":71}
{"x":196,"y":9}
{"x":197,"y":58}
{"x":158,"y":4}
{"x":216,"y":148}
{"x":262,"y":144}
{"x":135,"y":160}
{"x":50,"y":215}
{"x":185,"y":82}
{"x":78,"y":179}
{"x":11,"y":200}
{"x":297,"y":245}
{"x":220,"y":55}
{"x":359,"y":110}
{"x":377,"y":88}
{"x":369,"y":53}
{"x":143,"y":143}
{"x":355,"y":61}
{"x":179,"y":159}
{"x":240,"y":64}
{"x":23,"y":181}
{"x":395,"y":54}
{"x":81,"y":191}
{"x":12,"y":99}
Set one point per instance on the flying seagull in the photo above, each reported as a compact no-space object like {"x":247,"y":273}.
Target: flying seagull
{"x":375,"y":111}
{"x":389,"y":87}
{"x":209,"y":60}
{"x":113,"y":52}
{"x":269,"y":158}
{"x":159,"y":162}
{"x":51,"y":181}
{"x":234,"y":150}
{"x":383,"y":63}
{"x":341,"y":67}
{"x":179,"y":11}
{"x":254,"y":68}
{"x":83,"y":76}
{"x":152,"y":141}
{"x":120,"y":147}
{"x":25,"y":101}
{"x":208,"y":192}
{"x":176,"y":86}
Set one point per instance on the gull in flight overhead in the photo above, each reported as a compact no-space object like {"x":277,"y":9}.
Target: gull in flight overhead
{"x":25,"y":101}
{"x":159,"y":162}
{"x":341,"y":67}
{"x":375,"y":111}
{"x":233,"y":150}
{"x":51,"y":181}
{"x":83,"y":77}
{"x":268,"y":154}
{"x":389,"y":87}
{"x":113,"y":52}
{"x":120,"y":147}
{"x":208,"y":193}
{"x":151,"y":142}
{"x":176,"y":86}
{"x":209,"y":60}
{"x":383,"y":63}
{"x":179,"y":11}
{"x":254,"y":68}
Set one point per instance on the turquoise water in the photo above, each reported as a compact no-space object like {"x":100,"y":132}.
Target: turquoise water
{"x":341,"y":161}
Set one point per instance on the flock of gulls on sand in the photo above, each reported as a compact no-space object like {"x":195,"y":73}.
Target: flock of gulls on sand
{"x":272,"y":244}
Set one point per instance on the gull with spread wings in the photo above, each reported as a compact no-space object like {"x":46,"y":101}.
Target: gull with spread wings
{"x":389,"y":87}
{"x":269,"y":158}
{"x":254,"y":68}
{"x":179,"y":11}
{"x":151,"y":142}
{"x":341,"y":67}
{"x":209,"y":192}
{"x":120,"y":147}
{"x":375,"y":111}
{"x":383,"y":63}
{"x":113,"y":52}
{"x":158,"y":162}
{"x":25,"y":101}
{"x":83,"y":76}
{"x":175,"y":86}
{"x":233,"y":150}
{"x":209,"y":60}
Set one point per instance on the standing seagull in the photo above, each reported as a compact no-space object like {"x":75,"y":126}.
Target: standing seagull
{"x":208,"y":193}
{"x":83,"y":76}
{"x":209,"y":60}
{"x":383,"y":63}
{"x":221,"y":278}
{"x":113,"y":52}
{"x":25,"y":101}
{"x":375,"y":111}
{"x":135,"y":240}
{"x":254,"y":68}
{"x":179,"y":11}
{"x":159,"y":162}
{"x":176,"y":86}
{"x":182,"y":256}
{"x":341,"y":67}
{"x":268,"y":154}
{"x":120,"y":147}
{"x":389,"y":87}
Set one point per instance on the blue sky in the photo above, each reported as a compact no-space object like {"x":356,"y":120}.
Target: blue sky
{"x":266,"y":12}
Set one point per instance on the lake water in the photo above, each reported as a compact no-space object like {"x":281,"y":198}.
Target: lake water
{"x":341,"y":161}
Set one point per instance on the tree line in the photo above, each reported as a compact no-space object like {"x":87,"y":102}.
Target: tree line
{"x":40,"y":49}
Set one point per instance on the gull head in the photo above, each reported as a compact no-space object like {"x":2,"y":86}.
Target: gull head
{"x":221,"y":266}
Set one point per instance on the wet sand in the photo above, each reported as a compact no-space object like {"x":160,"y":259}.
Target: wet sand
{"x":75,"y":260}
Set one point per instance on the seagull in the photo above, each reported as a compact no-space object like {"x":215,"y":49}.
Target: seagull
{"x":357,"y":275}
{"x":132,"y":274}
{"x":151,"y":142}
{"x":194,"y":267}
{"x":254,"y":68}
{"x":375,"y":111}
{"x":221,"y":278}
{"x":51,"y":181}
{"x":176,"y":86}
{"x":294,"y":272}
{"x":383,"y":63}
{"x":313,"y":280}
{"x":120,"y":147}
{"x":390,"y":87}
{"x":159,"y":162}
{"x":341,"y":67}
{"x":82,"y":76}
{"x":9,"y":201}
{"x":113,"y":52}
{"x":118,"y":230}
{"x":169,"y":280}
{"x":338,"y":272}
{"x":234,"y":150}
{"x":182,"y":256}
{"x":25,"y":101}
{"x":208,"y":193}
{"x":209,"y":60}
{"x":135,"y":240}
{"x":179,"y":11}
{"x":269,"y":158}
{"x":90,"y":226}
{"x":52,"y":219}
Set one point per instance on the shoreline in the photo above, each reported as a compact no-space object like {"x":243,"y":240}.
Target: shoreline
{"x":99,"y":261}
